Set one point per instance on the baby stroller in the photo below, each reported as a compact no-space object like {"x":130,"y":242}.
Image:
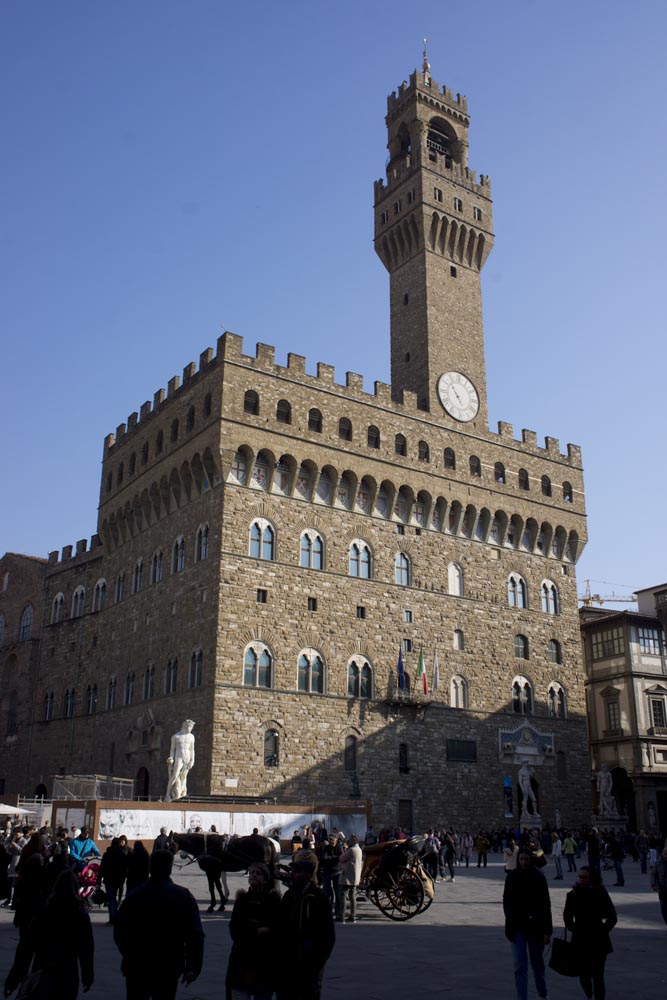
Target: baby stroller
{"x":89,"y":890}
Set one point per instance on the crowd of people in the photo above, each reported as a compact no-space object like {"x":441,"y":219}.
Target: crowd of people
{"x":158,"y":930}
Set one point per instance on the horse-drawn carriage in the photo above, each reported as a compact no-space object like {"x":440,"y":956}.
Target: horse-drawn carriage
{"x":395,"y":880}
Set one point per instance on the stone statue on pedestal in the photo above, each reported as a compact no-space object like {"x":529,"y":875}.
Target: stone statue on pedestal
{"x":607,"y":803}
{"x":527,"y":793}
{"x":180,"y":760}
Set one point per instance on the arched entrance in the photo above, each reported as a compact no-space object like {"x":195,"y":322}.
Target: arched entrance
{"x":40,"y":792}
{"x":141,"y":783}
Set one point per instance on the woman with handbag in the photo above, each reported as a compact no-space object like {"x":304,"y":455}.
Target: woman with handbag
{"x":590,"y":914}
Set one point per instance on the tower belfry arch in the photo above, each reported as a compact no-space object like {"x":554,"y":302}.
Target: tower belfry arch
{"x":433,"y":233}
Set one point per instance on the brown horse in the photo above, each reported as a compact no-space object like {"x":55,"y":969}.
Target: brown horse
{"x":213,"y":859}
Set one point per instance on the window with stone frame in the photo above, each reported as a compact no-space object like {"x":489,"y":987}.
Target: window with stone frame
{"x":120,"y":588}
{"x":524,"y":480}
{"x":78,"y":602}
{"x":178,"y":555}
{"x":156,"y":567}
{"x":310,"y":672}
{"x":402,"y":570}
{"x":424,"y":452}
{"x":649,"y":640}
{"x":475,"y":466}
{"x":111,"y":694}
{"x":345,"y":429}
{"x":373,"y":437}
{"x":257,"y":666}
{"x":350,"y":753}
{"x":554,"y":651}
{"x":546,"y":486}
{"x":400,"y":445}
{"x":271,"y":748}
{"x":201,"y":543}
{"x":613,"y":713}
{"x":251,"y":403}
{"x":359,"y":678}
{"x":91,"y":699}
{"x":311,"y":555}
{"x":517,"y":591}
{"x":138,"y":576}
{"x":283,"y":412}
{"x":455,"y":580}
{"x":128,"y":691}
{"x":99,"y":595}
{"x":499,"y":473}
{"x":403,"y":759}
{"x":25,"y":623}
{"x":450,"y":458}
{"x":520,"y":647}
{"x":550,"y":598}
{"x":315,"y":421}
{"x":69,"y":703}
{"x":458,"y":692}
{"x":48,"y":706}
{"x":262,"y":540}
{"x":171,"y":675}
{"x":57,"y":611}
{"x":522,"y":696}
{"x":195,"y":672}
{"x":458,"y":639}
{"x":360,"y":561}
{"x":607,"y":642}
{"x":149,"y":682}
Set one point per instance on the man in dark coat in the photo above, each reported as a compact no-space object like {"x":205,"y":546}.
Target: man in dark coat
{"x":308,"y":935}
{"x":528,"y":923}
{"x":113,"y":872}
{"x":159,"y":934}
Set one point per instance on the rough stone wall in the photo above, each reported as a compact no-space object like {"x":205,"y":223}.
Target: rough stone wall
{"x":20,"y":586}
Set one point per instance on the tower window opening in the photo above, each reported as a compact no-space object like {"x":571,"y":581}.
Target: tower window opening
{"x":411,"y":197}
{"x":397,"y":206}
{"x":406,"y":299}
{"x":477,"y":214}
{"x":452,"y":271}
{"x":407,"y":356}
{"x":384,"y":218}
{"x":437,"y":194}
{"x":458,"y":205}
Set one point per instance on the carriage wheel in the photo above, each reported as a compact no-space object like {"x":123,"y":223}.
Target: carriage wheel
{"x":401,"y":896}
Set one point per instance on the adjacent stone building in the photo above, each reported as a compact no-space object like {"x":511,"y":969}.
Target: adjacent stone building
{"x":626,"y":668}
{"x":268,"y":540}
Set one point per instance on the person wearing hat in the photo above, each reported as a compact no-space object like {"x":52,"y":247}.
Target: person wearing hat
{"x":307,"y":933}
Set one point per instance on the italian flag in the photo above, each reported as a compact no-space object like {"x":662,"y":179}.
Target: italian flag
{"x":421,"y":672}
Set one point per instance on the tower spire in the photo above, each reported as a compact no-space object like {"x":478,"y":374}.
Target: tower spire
{"x":426,"y":66}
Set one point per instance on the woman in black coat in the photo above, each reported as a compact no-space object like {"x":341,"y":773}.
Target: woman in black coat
{"x":590,"y":914}
{"x":254,"y":929}
{"x":58,"y":941}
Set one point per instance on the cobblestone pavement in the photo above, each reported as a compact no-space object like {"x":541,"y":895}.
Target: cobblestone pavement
{"x":457,"y":948}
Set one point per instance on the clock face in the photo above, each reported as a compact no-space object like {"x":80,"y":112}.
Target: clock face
{"x":458,"y":396}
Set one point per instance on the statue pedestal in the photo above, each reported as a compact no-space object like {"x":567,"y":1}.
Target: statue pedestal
{"x":615,"y":823}
{"x":530,"y":821}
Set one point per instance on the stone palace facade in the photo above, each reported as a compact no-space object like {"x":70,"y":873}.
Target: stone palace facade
{"x":268,"y":540}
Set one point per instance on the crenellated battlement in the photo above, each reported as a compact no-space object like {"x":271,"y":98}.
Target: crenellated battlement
{"x":230,"y":351}
{"x":72,"y":554}
{"x":442,"y":97}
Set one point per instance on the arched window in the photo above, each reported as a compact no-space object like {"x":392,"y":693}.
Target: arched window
{"x":251,"y":402}
{"x":550,"y":602}
{"x":567,"y":492}
{"x":149,"y":682}
{"x":91,"y":699}
{"x":128,"y":693}
{"x":517,"y":592}
{"x":458,"y":639}
{"x":207,"y":404}
{"x":450,"y":458}
{"x":196,"y":669}
{"x":239,"y":469}
{"x":359,"y":678}
{"x":475,"y":466}
{"x":360,"y":560}
{"x":260,"y":473}
{"x":424,"y":452}
{"x":109,"y":481}
{"x":400,"y":445}
{"x":556,"y":701}
{"x":458,"y":692}
{"x":159,"y":443}
{"x":69,"y":703}
{"x":350,"y":753}
{"x":120,"y":473}
{"x":144,"y":453}
{"x":171,"y":675}
{"x":499,"y":472}
{"x":373,"y":437}
{"x":344,"y":429}
{"x":455,"y":580}
{"x":78,"y":602}
{"x":520,"y":647}
{"x":315,"y":421}
{"x":99,"y":595}
{"x":555,"y":652}
{"x":522,"y":696}
{"x":283,"y":412}
{"x":138,"y":576}
{"x":120,"y":588}
{"x":178,"y":555}
{"x":173,"y":431}
{"x":402,"y":570}
{"x":133,"y":463}
{"x":156,"y":567}
{"x":546,"y":486}
{"x":190,"y":420}
{"x":403,"y":759}
{"x":57,"y":611}
{"x":257,"y":666}
{"x":524,"y":481}
{"x":262,"y":540}
{"x":201,"y":544}
{"x":310,"y":672}
{"x":312,"y":550}
{"x":48,"y":706}
{"x":111,"y":693}
{"x":25,"y":623}
{"x":271,"y":748}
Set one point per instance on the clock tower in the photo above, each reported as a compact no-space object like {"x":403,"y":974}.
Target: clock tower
{"x":433,"y":233}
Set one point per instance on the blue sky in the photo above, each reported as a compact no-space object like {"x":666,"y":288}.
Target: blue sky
{"x":172,"y":169}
